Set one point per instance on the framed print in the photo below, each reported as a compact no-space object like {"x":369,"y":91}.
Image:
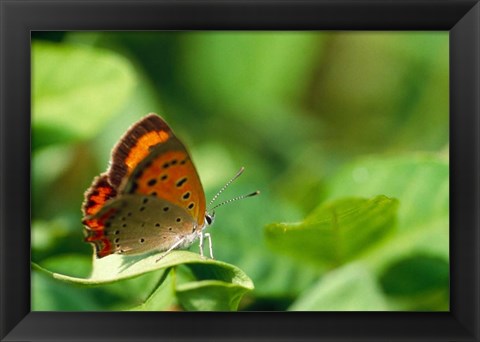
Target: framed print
{"x":240,"y":170}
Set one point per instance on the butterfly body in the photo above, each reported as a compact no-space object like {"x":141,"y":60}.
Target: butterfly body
{"x":151,"y":197}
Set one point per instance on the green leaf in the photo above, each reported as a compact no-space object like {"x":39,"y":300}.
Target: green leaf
{"x":213,"y":280}
{"x":75,"y":90}
{"x":210,"y":295}
{"x":415,"y":259}
{"x":415,"y":275}
{"x":162,"y":298}
{"x":205,"y":294}
{"x":117,"y":267}
{"x":196,"y":291}
{"x":335,"y":232}
{"x":421,"y":183}
{"x":350,"y":288}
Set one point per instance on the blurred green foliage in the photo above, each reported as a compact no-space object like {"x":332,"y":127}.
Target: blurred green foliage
{"x":344,"y":133}
{"x":336,"y":233}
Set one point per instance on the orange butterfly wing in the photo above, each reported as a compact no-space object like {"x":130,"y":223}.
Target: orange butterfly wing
{"x":148,"y":160}
{"x":135,"y":145}
{"x":95,"y":197}
{"x":154,"y":162}
{"x":99,"y":193}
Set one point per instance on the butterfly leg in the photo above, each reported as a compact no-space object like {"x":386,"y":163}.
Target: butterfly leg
{"x":201,"y":244}
{"x":175,"y":245}
{"x":207,"y":235}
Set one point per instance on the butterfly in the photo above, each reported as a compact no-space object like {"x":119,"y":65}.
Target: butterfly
{"x":150,"y":198}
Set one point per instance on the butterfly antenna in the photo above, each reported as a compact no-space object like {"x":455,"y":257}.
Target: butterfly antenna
{"x":226,"y":185}
{"x":255,"y":193}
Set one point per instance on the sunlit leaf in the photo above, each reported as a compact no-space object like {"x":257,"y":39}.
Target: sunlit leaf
{"x":216,"y":280}
{"x":336,"y":232}
{"x":116,"y":267}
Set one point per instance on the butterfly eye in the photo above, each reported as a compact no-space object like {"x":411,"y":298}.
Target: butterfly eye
{"x":209,"y":218}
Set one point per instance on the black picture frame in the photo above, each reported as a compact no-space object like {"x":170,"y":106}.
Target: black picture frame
{"x":19,"y":17}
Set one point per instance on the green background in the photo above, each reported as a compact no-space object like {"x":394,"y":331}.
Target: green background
{"x":344,"y":133}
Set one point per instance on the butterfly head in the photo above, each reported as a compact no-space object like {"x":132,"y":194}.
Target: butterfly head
{"x":209,"y":218}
